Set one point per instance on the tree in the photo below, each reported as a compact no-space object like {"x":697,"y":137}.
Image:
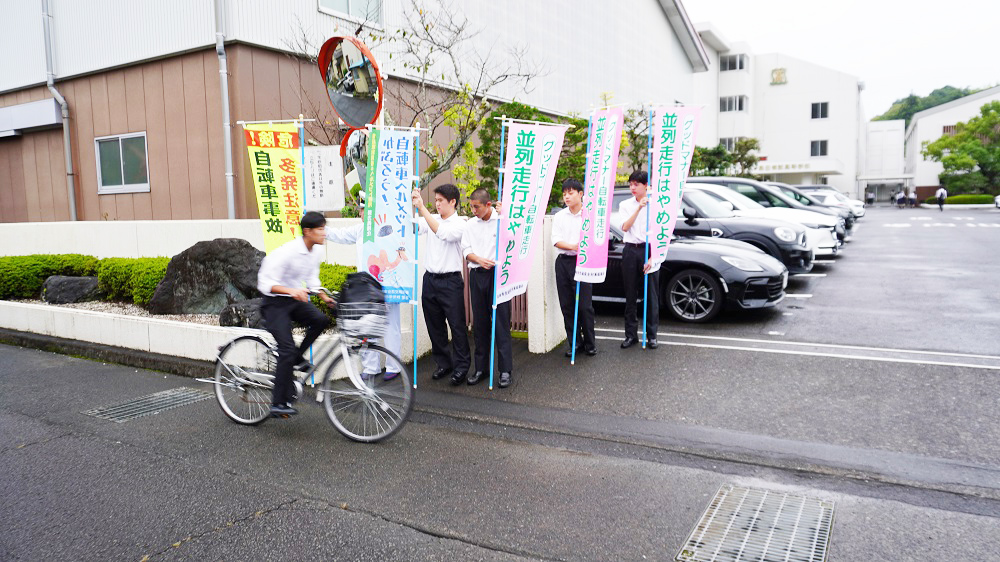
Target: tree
{"x":970,"y":156}
{"x":710,"y":161}
{"x":635,"y":139}
{"x":905,"y":108}
{"x":743,"y":157}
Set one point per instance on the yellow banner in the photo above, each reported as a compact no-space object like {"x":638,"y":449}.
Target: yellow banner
{"x":276,"y":168}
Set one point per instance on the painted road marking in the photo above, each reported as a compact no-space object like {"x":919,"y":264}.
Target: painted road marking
{"x":824,"y":262}
{"x":798,"y":295}
{"x":809,"y":275}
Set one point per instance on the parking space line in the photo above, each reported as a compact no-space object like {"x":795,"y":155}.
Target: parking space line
{"x":809,"y":275}
{"x":824,"y":262}
{"x":818,"y":354}
{"x":798,"y":295}
{"x":825,"y":345}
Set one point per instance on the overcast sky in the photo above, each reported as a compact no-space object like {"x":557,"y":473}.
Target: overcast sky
{"x":894,"y":46}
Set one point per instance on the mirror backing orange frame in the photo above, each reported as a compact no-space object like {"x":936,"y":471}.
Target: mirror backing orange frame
{"x":323,"y":61}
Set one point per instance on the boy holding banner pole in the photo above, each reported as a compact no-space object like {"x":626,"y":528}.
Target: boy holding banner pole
{"x":567,"y":226}
{"x":635,"y":264}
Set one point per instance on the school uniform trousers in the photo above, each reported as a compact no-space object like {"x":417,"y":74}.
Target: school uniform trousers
{"x":633,"y":259}
{"x":566,"y":288}
{"x":279,"y":313}
{"x":481,"y":294}
{"x":443,"y":300}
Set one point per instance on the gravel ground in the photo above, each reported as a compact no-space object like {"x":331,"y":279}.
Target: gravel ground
{"x":133,"y":310}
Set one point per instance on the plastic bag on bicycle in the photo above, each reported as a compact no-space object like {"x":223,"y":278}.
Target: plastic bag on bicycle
{"x":361,"y":310}
{"x":361,"y":288}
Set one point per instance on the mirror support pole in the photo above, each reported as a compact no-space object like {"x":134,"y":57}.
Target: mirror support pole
{"x":227,"y":136}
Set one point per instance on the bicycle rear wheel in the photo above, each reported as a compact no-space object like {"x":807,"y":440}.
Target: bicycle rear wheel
{"x":244,"y":376}
{"x":376,"y":410}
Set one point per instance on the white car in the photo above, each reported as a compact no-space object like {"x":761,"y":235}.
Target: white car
{"x":996,"y":201}
{"x":829,"y":197}
{"x":821,"y":230}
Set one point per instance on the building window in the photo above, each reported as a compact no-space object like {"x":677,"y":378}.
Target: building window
{"x":948,"y":130}
{"x":361,"y":10}
{"x":122,"y":164}
{"x":817,"y":148}
{"x":729,"y":143}
{"x":820,"y":110}
{"x":733,"y":62}
{"x":734,"y":103}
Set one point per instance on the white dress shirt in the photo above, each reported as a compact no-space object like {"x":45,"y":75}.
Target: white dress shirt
{"x":480,"y":238}
{"x":443,"y":253}
{"x":568,"y":228}
{"x":290,"y":265}
{"x":636,"y":234}
{"x":941,"y":192}
{"x":348,"y":235}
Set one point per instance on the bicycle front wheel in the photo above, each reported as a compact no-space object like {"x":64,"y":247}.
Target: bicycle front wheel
{"x":244,"y":377}
{"x":375,"y":409}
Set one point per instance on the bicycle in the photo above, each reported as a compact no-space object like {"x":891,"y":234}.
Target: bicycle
{"x":357,"y":399}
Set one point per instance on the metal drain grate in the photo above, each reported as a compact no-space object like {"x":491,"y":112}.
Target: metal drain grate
{"x":757,"y":525}
{"x":152,"y":404}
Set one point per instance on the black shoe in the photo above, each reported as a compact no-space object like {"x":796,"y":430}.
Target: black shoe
{"x":282,"y":411}
{"x":439,"y":373}
{"x":592,"y":351}
{"x":504,"y":380}
{"x":569,"y":353}
{"x":457,"y":377}
{"x":651,"y":344}
{"x":475,"y":377}
{"x":629,"y":341}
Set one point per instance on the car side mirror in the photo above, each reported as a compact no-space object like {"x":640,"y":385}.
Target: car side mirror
{"x":728,"y":205}
{"x":691,"y":215}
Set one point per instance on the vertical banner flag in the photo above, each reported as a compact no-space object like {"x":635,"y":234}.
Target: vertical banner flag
{"x":599,"y":185}
{"x":674,"y":130}
{"x":324,"y":178}
{"x":389,"y":241}
{"x":275,"y":162}
{"x":532,"y":155}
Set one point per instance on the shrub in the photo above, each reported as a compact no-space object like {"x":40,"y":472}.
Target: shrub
{"x":332,"y":277}
{"x":962,"y":200}
{"x":21,"y":277}
{"x":131,"y":279}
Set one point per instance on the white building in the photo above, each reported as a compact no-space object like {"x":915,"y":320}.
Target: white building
{"x":930,"y":125}
{"x":808,"y":118}
{"x":147,"y":75}
{"x":883,"y":171}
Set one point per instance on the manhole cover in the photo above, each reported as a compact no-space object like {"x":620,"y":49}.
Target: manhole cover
{"x":147,"y":405}
{"x":758,"y":525}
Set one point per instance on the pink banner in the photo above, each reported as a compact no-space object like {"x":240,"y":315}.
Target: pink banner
{"x":531,"y":160}
{"x":674,"y":131}
{"x":604,"y":142}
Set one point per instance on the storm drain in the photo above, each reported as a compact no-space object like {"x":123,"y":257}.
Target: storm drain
{"x":758,"y":525}
{"x":148,"y":405}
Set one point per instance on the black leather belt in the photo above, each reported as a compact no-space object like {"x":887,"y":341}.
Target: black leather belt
{"x":442,"y":275}
{"x":636,"y":244}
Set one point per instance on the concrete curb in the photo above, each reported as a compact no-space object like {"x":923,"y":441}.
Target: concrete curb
{"x":110,"y":354}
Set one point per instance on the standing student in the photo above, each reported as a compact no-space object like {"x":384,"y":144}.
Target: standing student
{"x":567,"y":227}
{"x":393,"y":340}
{"x":443,"y":290}
{"x":479,"y":243}
{"x":941,"y":195}
{"x":286,"y":277}
{"x":632,"y":214}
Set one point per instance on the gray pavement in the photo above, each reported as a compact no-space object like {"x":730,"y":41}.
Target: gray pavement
{"x":613,"y":459}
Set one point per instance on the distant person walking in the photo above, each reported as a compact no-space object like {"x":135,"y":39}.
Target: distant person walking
{"x":941,"y":195}
{"x":901,"y":199}
{"x":913,"y":199}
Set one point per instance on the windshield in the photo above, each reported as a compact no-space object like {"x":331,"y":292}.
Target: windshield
{"x":777,"y":198}
{"x":740,"y":202}
{"x":800,"y":197}
{"x":706,"y":205}
{"x":840,"y":197}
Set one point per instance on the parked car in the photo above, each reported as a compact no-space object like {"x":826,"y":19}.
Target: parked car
{"x":996,"y":201}
{"x":821,"y":230}
{"x":702,"y":276}
{"x":819,"y":199}
{"x":707,"y":216}
{"x":827,"y":192}
{"x":771,"y":197}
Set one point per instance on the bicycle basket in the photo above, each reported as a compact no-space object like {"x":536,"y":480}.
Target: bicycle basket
{"x":362,"y":319}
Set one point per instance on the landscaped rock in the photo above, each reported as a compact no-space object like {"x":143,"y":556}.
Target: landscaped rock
{"x":207,"y":277}
{"x":245,"y":314}
{"x":59,"y":289}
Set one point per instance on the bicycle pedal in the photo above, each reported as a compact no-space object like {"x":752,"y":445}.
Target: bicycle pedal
{"x":282,"y":416}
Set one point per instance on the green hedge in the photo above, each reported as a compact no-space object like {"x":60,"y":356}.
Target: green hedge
{"x":332,"y":277}
{"x":131,"y":279}
{"x":962,"y":200}
{"x":21,"y":277}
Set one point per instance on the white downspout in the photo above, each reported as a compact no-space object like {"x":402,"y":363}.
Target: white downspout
{"x":227,"y":138}
{"x":50,"y":82}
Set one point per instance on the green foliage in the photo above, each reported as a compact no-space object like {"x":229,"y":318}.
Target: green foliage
{"x":710,"y":161}
{"x":905,"y":108}
{"x":21,"y":277}
{"x":332,"y":277}
{"x":744,"y":157}
{"x":353,"y":207}
{"x":131,"y":279}
{"x":963,"y":200}
{"x":970,"y":156}
{"x":635,"y":140}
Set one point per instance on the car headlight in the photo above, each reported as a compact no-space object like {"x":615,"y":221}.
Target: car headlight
{"x":740,"y":263}
{"x":785,"y":233}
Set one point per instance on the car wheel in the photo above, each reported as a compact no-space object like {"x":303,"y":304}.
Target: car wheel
{"x":694,"y":296}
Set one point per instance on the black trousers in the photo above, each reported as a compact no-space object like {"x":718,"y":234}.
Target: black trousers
{"x":633,"y":258}
{"x":481,"y":294}
{"x":566,"y":287}
{"x":443,"y":302}
{"x":279,"y":313}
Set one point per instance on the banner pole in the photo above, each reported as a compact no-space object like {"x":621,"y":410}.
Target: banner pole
{"x":576,"y":305}
{"x":645,"y":283}
{"x":302,"y":163}
{"x":496,"y":248}
{"x":416,"y":252}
